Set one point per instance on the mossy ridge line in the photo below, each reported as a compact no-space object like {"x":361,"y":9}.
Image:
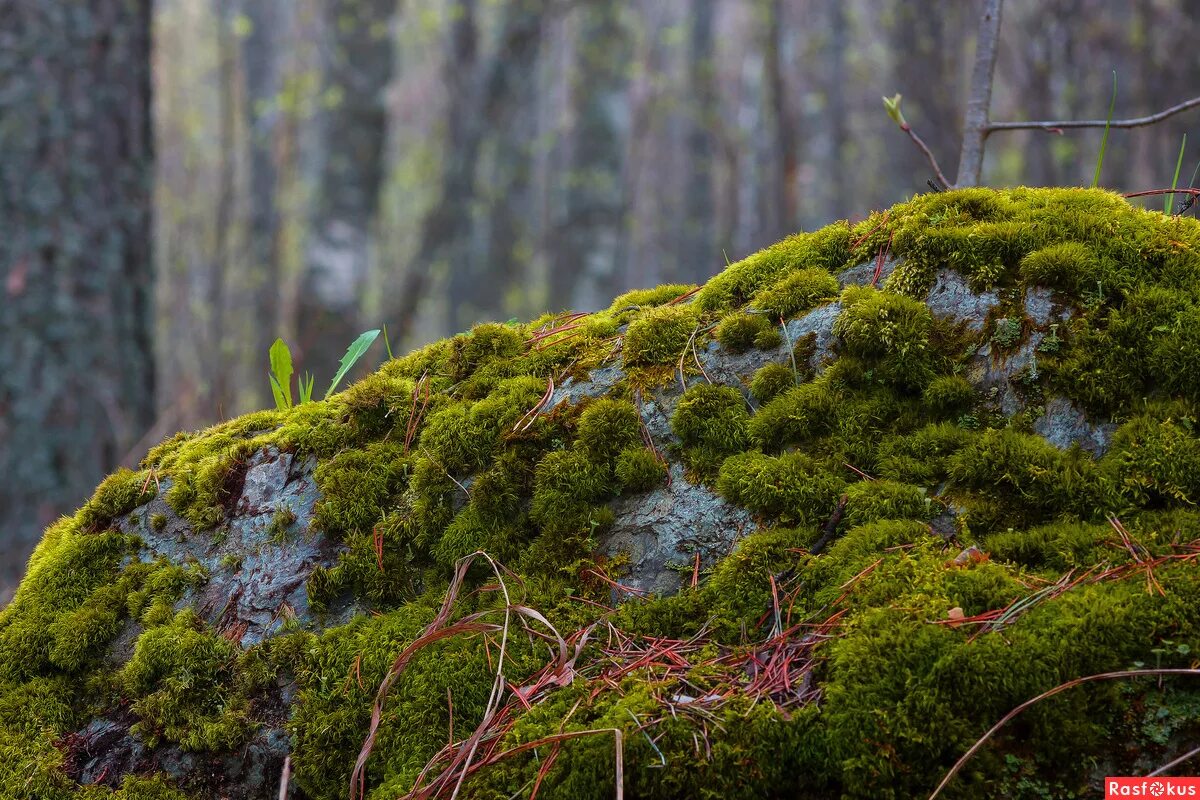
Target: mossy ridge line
{"x":408,"y":487}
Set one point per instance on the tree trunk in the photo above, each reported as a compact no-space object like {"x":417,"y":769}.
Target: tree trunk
{"x":76,"y":286}
{"x":970,"y":163}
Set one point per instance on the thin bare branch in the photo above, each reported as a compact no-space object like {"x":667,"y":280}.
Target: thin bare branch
{"x":919,"y":142}
{"x":1057,"y":126}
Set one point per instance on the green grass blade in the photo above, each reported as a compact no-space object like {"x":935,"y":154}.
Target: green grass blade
{"x":353,"y":354}
{"x":1112,"y":104}
{"x":281,"y":374}
{"x":387,"y":344}
{"x":306,"y":387}
{"x":1170,"y":199}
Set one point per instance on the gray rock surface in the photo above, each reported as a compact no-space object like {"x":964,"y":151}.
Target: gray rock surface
{"x":952,"y":298}
{"x":1063,"y":425}
{"x":662,"y":530}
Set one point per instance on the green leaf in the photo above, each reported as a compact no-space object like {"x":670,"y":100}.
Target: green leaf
{"x":353,"y":354}
{"x":892,"y":104}
{"x":281,"y":374}
{"x":1112,"y":104}
{"x":1169,"y":199}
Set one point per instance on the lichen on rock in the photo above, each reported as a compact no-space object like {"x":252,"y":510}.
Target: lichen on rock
{"x":807,"y":530}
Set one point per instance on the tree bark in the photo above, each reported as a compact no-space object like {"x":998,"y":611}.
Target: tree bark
{"x":77,"y":374}
{"x":975,"y":127}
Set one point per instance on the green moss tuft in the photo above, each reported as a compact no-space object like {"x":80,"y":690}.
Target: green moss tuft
{"x":949,"y":395}
{"x":659,"y":335}
{"x":889,"y":331}
{"x":1067,"y":266}
{"x":606,"y":427}
{"x":827,"y":249}
{"x":793,"y":416}
{"x":772,"y":380}
{"x":791,"y":488}
{"x":711,"y":416}
{"x":796,"y":293}
{"x":737,"y":333}
{"x":640,"y":470}
{"x":184,"y":681}
{"x":871,"y":501}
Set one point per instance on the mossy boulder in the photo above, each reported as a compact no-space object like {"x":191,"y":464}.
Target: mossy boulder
{"x":808,"y":530}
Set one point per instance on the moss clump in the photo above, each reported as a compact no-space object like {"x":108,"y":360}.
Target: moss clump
{"x":713,"y":417}
{"x":639,"y":469}
{"x":659,"y":335}
{"x":1157,"y":460}
{"x":949,"y":395}
{"x":828,"y":249}
{"x":793,"y":416}
{"x":772,"y":380}
{"x":1028,"y":480}
{"x":1067,"y":266}
{"x":649,"y":298}
{"x":607,"y":427}
{"x":871,"y":501}
{"x":184,"y":679}
{"x":792,"y":488}
{"x":118,"y":494}
{"x":796,"y":293}
{"x":566,"y":487}
{"x":891,"y":332}
{"x":739,"y":332}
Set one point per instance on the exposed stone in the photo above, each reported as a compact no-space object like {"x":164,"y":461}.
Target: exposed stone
{"x":1063,"y":425}
{"x":952,"y":298}
{"x":662,"y":530}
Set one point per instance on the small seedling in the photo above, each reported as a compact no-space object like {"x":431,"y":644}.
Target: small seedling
{"x":281,"y":370}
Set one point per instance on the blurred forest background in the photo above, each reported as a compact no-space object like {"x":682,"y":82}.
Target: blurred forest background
{"x":314,"y":168}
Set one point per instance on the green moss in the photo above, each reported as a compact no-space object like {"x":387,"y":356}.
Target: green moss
{"x":566,"y":486}
{"x":772,"y":380}
{"x":791,"y":488}
{"x":796,"y":293}
{"x":1007,"y":333}
{"x":922,"y":457}
{"x":827,"y":249}
{"x":713,"y":417}
{"x":949,"y":395}
{"x":1066,"y":266}
{"x":891,"y":332}
{"x":639,"y":469}
{"x":606,"y":427}
{"x":183,"y":679}
{"x":646,"y":298}
{"x":793,"y":416}
{"x":440,"y":453}
{"x":659,"y":335}
{"x":117,"y":495}
{"x":870,"y":501}
{"x":739,"y":332}
{"x":1029,"y":480}
{"x":1157,"y":460}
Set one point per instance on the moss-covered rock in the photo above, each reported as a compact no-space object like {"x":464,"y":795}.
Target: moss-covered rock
{"x":805,"y":531}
